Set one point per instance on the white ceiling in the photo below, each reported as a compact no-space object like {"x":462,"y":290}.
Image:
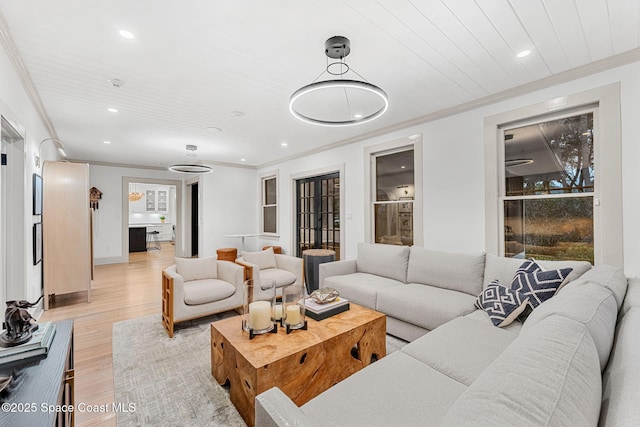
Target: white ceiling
{"x":193,"y":63}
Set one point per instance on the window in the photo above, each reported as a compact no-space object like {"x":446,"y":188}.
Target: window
{"x":553,"y":181}
{"x":549,"y":181}
{"x":394,"y":197}
{"x":269,"y":205}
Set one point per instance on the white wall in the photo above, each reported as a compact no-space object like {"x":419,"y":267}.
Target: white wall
{"x":17,"y":108}
{"x":227,"y":206}
{"x":454,"y":171}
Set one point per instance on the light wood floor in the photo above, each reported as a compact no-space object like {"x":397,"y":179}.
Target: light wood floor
{"x":120,"y":292}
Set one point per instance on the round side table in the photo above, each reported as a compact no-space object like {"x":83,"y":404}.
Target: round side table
{"x":312,"y":260}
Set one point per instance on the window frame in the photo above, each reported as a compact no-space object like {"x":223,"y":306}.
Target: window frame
{"x":263,"y":182}
{"x":371,"y":153}
{"x":607,"y":194}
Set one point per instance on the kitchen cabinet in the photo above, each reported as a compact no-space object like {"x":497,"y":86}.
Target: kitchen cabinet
{"x":156,"y":200}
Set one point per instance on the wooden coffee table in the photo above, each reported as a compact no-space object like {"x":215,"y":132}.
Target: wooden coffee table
{"x":302,"y":364}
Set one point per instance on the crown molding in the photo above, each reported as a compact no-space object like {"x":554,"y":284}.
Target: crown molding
{"x":605,"y":64}
{"x":159,"y":168}
{"x":29,"y":87}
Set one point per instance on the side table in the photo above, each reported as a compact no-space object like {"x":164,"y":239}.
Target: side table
{"x":312,"y":260}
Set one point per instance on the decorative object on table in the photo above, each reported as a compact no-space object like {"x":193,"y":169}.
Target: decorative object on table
{"x":318,"y":311}
{"x":312,"y":260}
{"x":293,"y":307}
{"x":257,"y":307}
{"x":39,"y":344}
{"x":324,"y":295}
{"x":18,"y":323}
{"x":94,"y":196}
{"x":4,"y":382}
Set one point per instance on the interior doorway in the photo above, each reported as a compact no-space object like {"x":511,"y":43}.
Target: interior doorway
{"x":318,"y":213}
{"x":194,"y":219}
{"x":13,"y":212}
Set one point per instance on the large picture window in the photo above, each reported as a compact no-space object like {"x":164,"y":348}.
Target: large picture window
{"x":549,"y":189}
{"x":269,"y":205}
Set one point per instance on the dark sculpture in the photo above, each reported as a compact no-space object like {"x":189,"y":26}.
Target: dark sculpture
{"x":18,"y":322}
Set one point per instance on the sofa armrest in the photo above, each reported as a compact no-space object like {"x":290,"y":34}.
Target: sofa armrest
{"x":231,"y":272}
{"x":291,"y":264}
{"x":275,"y":409}
{"x":251,"y":271}
{"x":178,"y":284}
{"x":336,"y":268}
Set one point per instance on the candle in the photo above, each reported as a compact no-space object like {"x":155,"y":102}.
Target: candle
{"x":259,"y":315}
{"x":277,"y":312}
{"x":293,"y":314}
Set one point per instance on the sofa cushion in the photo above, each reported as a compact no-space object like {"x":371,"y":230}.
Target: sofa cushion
{"x":483,"y":317}
{"x":424,"y":306}
{"x":208,"y":290}
{"x":502,"y":304}
{"x":360,"y":288}
{"x":263,"y":259}
{"x":609,"y":276}
{"x":197,"y":268}
{"x":540,"y":379}
{"x":592,"y":305}
{"x":383,"y":392}
{"x":447,"y":348}
{"x":620,"y":380}
{"x":540,"y":285}
{"x":279,"y":276}
{"x":460,"y":272}
{"x":388,"y":261}
{"x":504,"y":269}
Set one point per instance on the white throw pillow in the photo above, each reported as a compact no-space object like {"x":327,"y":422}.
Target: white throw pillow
{"x":197,"y":268}
{"x":263,"y":259}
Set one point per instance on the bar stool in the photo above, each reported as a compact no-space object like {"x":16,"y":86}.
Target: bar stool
{"x":153,"y":243}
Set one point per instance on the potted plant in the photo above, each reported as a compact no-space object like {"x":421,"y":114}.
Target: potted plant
{"x":162,"y":218}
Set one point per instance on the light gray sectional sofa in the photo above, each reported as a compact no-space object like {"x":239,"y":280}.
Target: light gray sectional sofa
{"x":573,"y":362}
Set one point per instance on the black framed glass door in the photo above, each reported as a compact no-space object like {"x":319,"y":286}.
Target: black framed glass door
{"x":318,"y":213}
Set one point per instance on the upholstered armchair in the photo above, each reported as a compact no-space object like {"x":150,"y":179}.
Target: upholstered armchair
{"x":197,"y":287}
{"x":282,"y":269}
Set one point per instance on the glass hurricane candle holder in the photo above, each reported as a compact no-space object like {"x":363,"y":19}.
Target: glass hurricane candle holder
{"x":293,"y":313}
{"x":257,"y":308}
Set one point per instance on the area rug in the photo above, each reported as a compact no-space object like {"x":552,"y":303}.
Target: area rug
{"x":169,"y":379}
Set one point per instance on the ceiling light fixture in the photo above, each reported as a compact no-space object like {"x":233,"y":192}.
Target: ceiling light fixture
{"x":107,"y":142}
{"x":126,"y":34}
{"x":134,"y":195}
{"x":112,"y":110}
{"x":523,"y":53}
{"x":191,"y":168}
{"x":333,"y":102}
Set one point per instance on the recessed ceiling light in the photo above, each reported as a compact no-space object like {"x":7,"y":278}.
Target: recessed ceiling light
{"x":237,"y":113}
{"x":284,"y":144}
{"x":243,"y":160}
{"x":403,"y":167}
{"x":357,"y":116}
{"x":126,"y":34}
{"x":107,"y":142}
{"x":214,"y":129}
{"x":112,"y":110}
{"x":523,"y":53}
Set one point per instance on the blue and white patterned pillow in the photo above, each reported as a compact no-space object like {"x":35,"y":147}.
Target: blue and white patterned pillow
{"x":537,"y":284}
{"x":502,"y":304}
